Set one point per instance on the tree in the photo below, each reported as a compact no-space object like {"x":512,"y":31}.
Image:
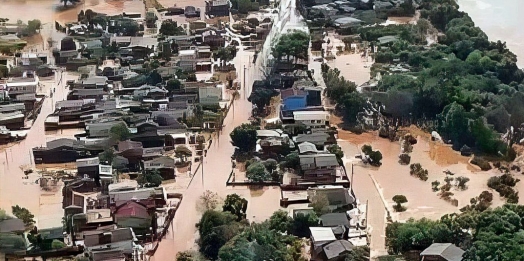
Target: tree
{"x":290,"y":45}
{"x":107,"y":156}
{"x":261,"y":97}
{"x":235,"y":205}
{"x":291,"y":161}
{"x":399,"y":199}
{"x":182,"y":152}
{"x":244,"y":137}
{"x":461,"y":182}
{"x":23,"y":214}
{"x":225,"y":54}
{"x":359,"y":253}
{"x":173,"y":85}
{"x":374,"y":156}
{"x":169,"y":27}
{"x":33,"y":26}
{"x":351,"y":104}
{"x":150,"y":179}
{"x":154,"y":78}
{"x":209,"y":200}
{"x":320,"y":204}
{"x":189,"y":256}
{"x":3,"y":70}
{"x":415,"y":235}
{"x":280,"y":221}
{"x":301,"y":223}
{"x":416,"y":170}
{"x":335,"y":149}
{"x":256,"y":172}
{"x":119,"y":132}
{"x":216,"y":229}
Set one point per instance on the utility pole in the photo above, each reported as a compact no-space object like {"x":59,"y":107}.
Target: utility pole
{"x":202,"y":167}
{"x":245,"y":82}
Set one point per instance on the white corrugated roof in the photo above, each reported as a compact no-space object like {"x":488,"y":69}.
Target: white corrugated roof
{"x":310,"y":115}
{"x":322,"y":234}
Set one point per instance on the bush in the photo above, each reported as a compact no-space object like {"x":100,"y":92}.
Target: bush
{"x":434,"y":185}
{"x":504,"y":186}
{"x":256,"y":172}
{"x":482,"y":163}
{"x":461,"y":182}
{"x":419,"y":172}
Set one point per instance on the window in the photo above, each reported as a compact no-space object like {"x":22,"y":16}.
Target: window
{"x":319,"y":121}
{"x":312,"y":121}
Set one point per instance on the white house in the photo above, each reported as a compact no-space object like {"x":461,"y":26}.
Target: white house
{"x":312,"y":119}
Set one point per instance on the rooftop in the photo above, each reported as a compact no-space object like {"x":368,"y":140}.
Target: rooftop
{"x":448,"y":251}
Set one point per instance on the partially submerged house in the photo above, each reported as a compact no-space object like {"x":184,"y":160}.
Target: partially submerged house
{"x":319,"y":168}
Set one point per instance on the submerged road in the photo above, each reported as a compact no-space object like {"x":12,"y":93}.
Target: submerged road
{"x":217,"y":167}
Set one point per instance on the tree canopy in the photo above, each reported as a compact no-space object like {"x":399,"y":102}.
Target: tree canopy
{"x":292,"y":45}
{"x":244,"y":137}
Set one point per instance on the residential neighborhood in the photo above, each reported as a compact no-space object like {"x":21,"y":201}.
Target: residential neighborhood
{"x":259,"y":130}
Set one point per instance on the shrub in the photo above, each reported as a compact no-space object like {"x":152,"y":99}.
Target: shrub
{"x":419,"y":172}
{"x":399,"y":199}
{"x":434,"y":185}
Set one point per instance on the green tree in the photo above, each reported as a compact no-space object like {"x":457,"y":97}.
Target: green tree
{"x":399,"y":199}
{"x":169,"y":27}
{"x":149,"y":179}
{"x":225,"y":54}
{"x":107,"y":156}
{"x":256,"y":172}
{"x":261,"y":97}
{"x":23,"y":214}
{"x":173,"y":85}
{"x":280,"y":221}
{"x":119,"y":132}
{"x":236,"y":205}
{"x":189,"y":256}
{"x":216,"y":229}
{"x":244,"y":137}
{"x":301,"y":223}
{"x":335,"y":149}
{"x":3,"y":70}
{"x":291,"y":161}
{"x":292,"y":45}
{"x":33,"y":26}
{"x":359,"y":253}
{"x":154,"y":78}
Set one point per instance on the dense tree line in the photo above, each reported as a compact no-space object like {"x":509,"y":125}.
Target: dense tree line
{"x":472,"y":86}
{"x":485,"y":234}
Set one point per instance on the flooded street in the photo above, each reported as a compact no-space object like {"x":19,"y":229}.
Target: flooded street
{"x":14,"y":190}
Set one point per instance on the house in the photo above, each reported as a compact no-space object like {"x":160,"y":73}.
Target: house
{"x":165,"y":165}
{"x":338,"y":196}
{"x":442,"y":252}
{"x":213,"y":39}
{"x":307,"y":148}
{"x":216,"y":8}
{"x":209,"y":95}
{"x":136,"y":214}
{"x":119,"y":238}
{"x":101,"y":129}
{"x":319,"y":139}
{"x":320,"y":236}
{"x":87,"y":94}
{"x":187,"y":59}
{"x":319,"y":168}
{"x":58,"y":151}
{"x":88,"y":168}
{"x":315,"y":120}
{"x":293,"y":99}
{"x":334,"y":220}
{"x":22,"y":85}
{"x":191,"y":11}
{"x":337,"y":250}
